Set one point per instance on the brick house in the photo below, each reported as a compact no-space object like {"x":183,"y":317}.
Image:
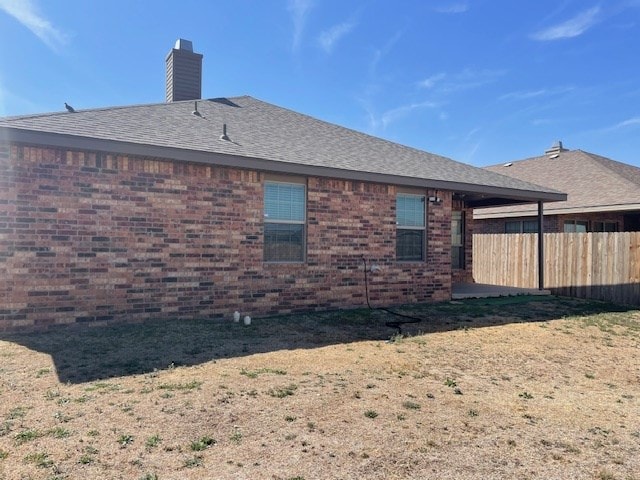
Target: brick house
{"x":602,"y":195}
{"x":196,"y":207}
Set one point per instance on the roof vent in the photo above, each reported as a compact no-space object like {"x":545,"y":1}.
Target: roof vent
{"x":554,"y":151}
{"x":195,"y":109}
{"x":184,"y":72}
{"x":224,"y":135}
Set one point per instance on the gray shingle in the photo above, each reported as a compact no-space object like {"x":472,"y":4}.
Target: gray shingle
{"x":261,"y":130}
{"x":591,"y":181}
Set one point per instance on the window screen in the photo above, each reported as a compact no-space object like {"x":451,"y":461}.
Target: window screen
{"x":410,"y":231}
{"x":284,"y":222}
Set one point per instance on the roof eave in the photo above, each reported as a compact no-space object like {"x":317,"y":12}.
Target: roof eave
{"x":60,"y":140}
{"x":526,"y":212}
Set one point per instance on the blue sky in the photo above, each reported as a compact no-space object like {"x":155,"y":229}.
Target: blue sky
{"x":480,"y":81}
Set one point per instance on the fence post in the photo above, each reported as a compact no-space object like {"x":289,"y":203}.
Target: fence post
{"x":540,"y":246}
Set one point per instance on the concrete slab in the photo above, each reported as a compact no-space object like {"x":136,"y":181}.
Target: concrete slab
{"x":482,"y":290}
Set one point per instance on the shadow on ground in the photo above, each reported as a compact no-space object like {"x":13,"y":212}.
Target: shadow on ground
{"x":84,"y":354}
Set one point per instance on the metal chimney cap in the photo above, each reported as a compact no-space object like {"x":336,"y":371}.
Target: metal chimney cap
{"x":182,"y":44}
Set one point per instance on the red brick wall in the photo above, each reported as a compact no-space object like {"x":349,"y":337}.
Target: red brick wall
{"x":91,"y":237}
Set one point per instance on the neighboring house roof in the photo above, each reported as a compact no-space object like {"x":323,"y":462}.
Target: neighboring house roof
{"x":593,"y":184}
{"x":265,"y":137}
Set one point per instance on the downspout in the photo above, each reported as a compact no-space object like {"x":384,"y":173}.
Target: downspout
{"x":540,"y":246}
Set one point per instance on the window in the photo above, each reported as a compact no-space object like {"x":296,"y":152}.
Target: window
{"x":512,"y":227}
{"x":410,"y":223}
{"x":457,"y":240}
{"x":521,"y":226}
{"x":284,"y":222}
{"x":575,"y":226}
{"x":605,"y":226}
{"x":530,"y":226}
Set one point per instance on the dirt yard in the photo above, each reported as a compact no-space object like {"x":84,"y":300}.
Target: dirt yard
{"x":524,"y":388}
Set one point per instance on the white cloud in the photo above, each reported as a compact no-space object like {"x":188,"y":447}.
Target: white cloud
{"x":573,"y":27}
{"x":524,"y":95}
{"x":377,"y":122}
{"x":380,"y":53}
{"x":329,"y":38}
{"x":470,"y":79}
{"x":444,"y":85}
{"x":528,"y":94}
{"x":431,"y":81}
{"x":453,"y":8}
{"x":299,"y":11}
{"x":543,"y":121}
{"x":631,"y":122}
{"x":472,"y":133}
{"x":469,"y":155}
{"x":396,"y":114}
{"x":26,"y":12}
{"x":370,"y":113}
{"x":623,"y":127}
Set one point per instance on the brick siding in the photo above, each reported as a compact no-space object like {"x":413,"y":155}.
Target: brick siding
{"x":98,"y":238}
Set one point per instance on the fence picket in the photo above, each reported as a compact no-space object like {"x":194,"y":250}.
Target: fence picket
{"x":603,"y":266}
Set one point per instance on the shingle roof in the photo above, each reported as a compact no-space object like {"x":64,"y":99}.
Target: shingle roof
{"x":263,"y":132}
{"x":593,"y":183}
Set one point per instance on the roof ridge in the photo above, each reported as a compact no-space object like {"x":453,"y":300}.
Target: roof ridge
{"x":513,"y":162}
{"x":593,"y":156}
{"x":358,"y":132}
{"x":112,"y":107}
{"x":63,"y":112}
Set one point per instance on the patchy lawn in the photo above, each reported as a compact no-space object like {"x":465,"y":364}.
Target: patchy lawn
{"x":525,"y":388}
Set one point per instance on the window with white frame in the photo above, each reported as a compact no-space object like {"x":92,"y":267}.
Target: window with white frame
{"x":284,"y":222}
{"x":410,"y":227}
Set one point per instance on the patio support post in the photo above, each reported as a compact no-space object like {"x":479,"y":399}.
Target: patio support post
{"x":540,"y":246}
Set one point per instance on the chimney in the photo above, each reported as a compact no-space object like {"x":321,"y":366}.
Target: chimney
{"x":184,"y":72}
{"x":555,"y":150}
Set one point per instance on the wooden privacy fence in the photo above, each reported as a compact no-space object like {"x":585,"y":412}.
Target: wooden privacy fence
{"x":604,"y":266}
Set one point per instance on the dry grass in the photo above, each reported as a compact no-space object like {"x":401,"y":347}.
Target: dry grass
{"x":511,"y":388}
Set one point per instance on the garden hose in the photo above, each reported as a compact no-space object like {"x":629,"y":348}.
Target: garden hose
{"x":397,"y":324}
